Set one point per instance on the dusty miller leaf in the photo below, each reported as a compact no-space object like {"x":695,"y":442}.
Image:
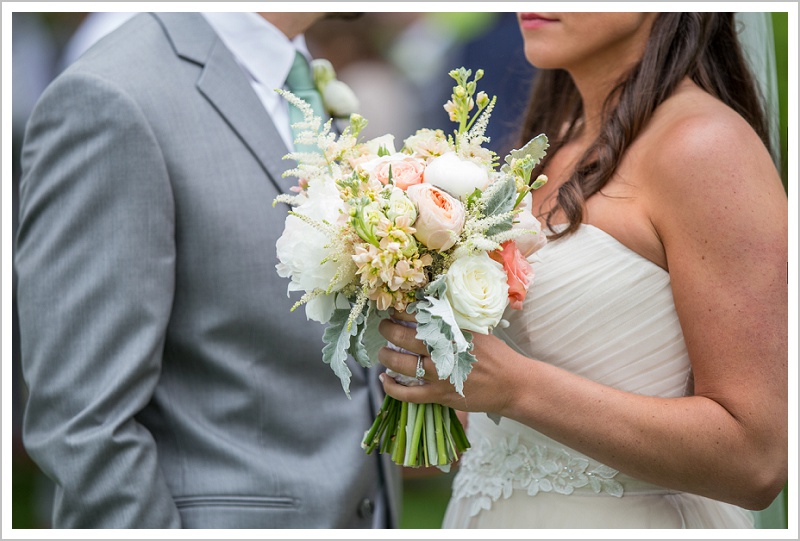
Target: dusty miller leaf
{"x":462,"y":368}
{"x":530,"y":154}
{"x":337,"y":343}
{"x":357,"y":347}
{"x":448,"y":346}
{"x":371,"y":339}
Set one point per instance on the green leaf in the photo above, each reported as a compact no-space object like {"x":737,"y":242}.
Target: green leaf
{"x":359,"y":321}
{"x":371,"y":339}
{"x":337,"y":343}
{"x":463,"y":366}
{"x":534,"y":150}
{"x":502,"y":197}
{"x":448,"y":346}
{"x":520,"y":163}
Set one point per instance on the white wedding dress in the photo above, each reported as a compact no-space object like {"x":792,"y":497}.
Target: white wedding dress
{"x":602,"y":311}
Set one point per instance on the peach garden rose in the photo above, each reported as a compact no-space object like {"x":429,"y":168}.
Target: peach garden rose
{"x":440,"y":217}
{"x":405,"y":170}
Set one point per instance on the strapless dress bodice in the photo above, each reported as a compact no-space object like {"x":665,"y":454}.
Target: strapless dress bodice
{"x":602,"y":311}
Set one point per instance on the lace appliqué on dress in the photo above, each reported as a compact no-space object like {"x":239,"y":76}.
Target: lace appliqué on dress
{"x":492,"y":470}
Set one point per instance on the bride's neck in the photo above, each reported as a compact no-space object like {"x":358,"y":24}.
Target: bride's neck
{"x":595,"y":79}
{"x":594,"y":91}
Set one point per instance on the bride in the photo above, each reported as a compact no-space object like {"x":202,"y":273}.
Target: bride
{"x":644,"y":382}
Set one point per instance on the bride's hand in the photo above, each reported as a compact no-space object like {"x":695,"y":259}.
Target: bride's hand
{"x":489,"y":386}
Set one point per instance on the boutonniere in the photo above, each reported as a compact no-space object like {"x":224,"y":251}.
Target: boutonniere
{"x":339,"y":99}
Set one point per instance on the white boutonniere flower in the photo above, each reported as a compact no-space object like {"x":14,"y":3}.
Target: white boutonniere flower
{"x":339,"y":99}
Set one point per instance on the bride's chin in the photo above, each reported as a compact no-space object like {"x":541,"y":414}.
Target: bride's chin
{"x":542,"y":59}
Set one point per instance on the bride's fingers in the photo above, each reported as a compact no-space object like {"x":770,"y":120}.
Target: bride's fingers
{"x":417,"y":394}
{"x":402,"y":336}
{"x":406,"y":364}
{"x":403,"y":315}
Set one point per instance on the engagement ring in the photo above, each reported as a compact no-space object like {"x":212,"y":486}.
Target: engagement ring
{"x":420,"y":369}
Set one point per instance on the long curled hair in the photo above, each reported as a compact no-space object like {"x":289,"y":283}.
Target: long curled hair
{"x":701,"y":46}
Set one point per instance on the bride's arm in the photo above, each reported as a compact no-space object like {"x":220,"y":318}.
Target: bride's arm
{"x":721,"y":214}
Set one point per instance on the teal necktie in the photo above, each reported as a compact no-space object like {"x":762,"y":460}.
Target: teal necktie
{"x":301,"y":83}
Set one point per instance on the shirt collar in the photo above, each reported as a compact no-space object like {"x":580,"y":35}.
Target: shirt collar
{"x":262,"y":50}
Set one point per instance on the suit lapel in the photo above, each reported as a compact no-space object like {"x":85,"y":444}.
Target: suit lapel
{"x":223,"y":83}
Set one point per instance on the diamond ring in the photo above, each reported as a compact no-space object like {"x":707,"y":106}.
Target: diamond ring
{"x":420,"y":369}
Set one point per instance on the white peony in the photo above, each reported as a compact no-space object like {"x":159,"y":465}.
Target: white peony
{"x":477,"y":289}
{"x":457,"y":177}
{"x":302,"y":247}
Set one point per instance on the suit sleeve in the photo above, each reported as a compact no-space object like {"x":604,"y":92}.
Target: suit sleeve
{"x":96,"y":263}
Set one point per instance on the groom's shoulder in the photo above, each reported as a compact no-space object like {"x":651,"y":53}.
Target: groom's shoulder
{"x":140,"y":51}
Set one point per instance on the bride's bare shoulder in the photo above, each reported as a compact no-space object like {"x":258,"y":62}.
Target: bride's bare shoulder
{"x":693,"y":135}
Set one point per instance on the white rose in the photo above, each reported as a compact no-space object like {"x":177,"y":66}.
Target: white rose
{"x":401,"y":205}
{"x":339,"y":99}
{"x":302,"y":247}
{"x":477,"y":289}
{"x":457,"y":177}
{"x":528,"y":244}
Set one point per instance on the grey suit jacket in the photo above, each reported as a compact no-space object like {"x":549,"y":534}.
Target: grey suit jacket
{"x":169,"y":383}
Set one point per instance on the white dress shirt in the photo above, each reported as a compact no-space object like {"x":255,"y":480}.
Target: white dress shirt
{"x":266,"y":55}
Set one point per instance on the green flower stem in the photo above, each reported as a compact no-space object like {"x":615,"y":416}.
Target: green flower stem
{"x":432,"y":454}
{"x":441,"y":451}
{"x":386,"y":428}
{"x":411,"y":460}
{"x":408,"y":428}
{"x":373,"y":435}
{"x":462,"y":443}
{"x":389,"y":429}
{"x":416,"y":434}
{"x":398,"y":456}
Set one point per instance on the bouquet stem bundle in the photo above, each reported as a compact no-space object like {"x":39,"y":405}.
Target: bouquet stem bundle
{"x":416,"y":434}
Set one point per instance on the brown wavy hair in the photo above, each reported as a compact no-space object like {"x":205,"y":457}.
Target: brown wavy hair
{"x":702,"y":46}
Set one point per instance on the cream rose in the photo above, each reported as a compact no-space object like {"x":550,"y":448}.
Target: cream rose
{"x":477,"y":289}
{"x":525,"y":219}
{"x":440,"y":217}
{"x":457,"y":177}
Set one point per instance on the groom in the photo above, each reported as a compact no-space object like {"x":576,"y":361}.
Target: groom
{"x":169,"y":384}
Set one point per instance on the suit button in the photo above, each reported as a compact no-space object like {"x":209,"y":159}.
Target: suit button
{"x":366,"y":508}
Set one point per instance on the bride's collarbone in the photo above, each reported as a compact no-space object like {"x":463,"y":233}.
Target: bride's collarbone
{"x":619,"y":209}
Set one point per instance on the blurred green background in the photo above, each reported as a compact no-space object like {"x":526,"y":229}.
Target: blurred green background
{"x":425,"y":498}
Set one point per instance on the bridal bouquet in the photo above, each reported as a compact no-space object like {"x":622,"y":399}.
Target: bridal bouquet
{"x":435,"y":229}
